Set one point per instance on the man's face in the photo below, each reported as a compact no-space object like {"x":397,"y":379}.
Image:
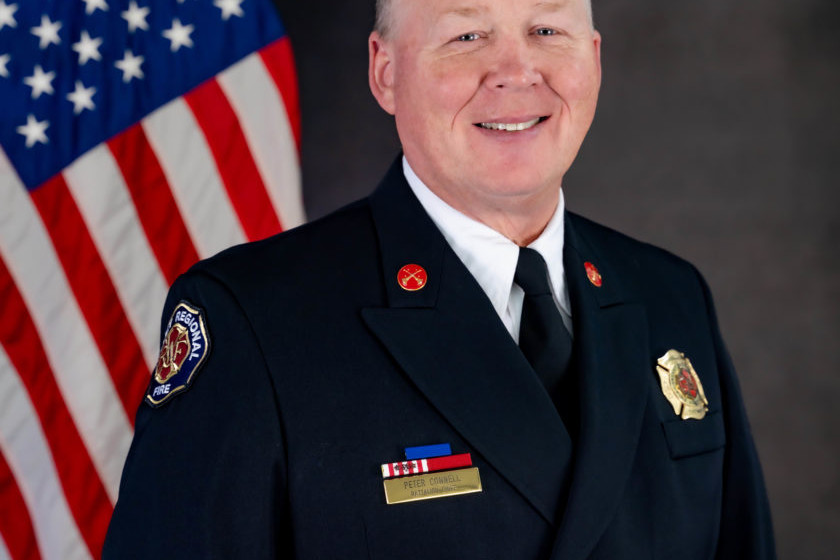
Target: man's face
{"x":492,"y":98}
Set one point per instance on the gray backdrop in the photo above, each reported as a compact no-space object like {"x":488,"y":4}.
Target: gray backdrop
{"x":717,"y":138}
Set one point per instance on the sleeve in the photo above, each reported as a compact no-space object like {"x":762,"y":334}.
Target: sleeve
{"x":746,"y":531}
{"x":205,"y":476}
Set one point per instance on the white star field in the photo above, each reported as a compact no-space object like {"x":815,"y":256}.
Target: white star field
{"x":43,"y":78}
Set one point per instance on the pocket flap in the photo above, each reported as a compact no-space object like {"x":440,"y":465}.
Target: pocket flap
{"x":692,"y":437}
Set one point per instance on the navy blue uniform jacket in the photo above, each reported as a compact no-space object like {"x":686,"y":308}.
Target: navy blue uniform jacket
{"x":322,"y":368}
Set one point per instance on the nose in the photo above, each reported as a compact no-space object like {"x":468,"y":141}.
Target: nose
{"x":514,"y":67}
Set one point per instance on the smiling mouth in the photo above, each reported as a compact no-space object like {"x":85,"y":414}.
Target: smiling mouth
{"x":511,"y":127}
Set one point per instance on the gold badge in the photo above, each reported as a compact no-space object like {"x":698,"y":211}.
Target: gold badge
{"x":432,"y":485}
{"x":681,"y":386}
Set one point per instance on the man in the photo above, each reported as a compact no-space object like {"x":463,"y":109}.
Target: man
{"x":599,"y":409}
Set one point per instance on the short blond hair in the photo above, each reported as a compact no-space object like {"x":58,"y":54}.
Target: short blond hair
{"x":384,"y":19}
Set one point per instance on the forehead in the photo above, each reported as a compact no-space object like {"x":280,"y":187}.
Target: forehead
{"x":418,"y":12}
{"x":469,"y":7}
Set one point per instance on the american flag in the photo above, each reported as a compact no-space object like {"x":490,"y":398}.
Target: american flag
{"x":136,"y":137}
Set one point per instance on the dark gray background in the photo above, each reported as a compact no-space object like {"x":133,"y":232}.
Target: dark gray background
{"x":716,"y":137}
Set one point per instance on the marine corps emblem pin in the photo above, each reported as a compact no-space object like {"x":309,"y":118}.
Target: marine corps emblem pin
{"x":681,"y":386}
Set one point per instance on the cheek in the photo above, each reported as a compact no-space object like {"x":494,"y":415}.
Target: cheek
{"x":577,"y":85}
{"x":448,"y":87}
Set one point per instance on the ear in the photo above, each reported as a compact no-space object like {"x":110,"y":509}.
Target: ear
{"x":381,"y":72}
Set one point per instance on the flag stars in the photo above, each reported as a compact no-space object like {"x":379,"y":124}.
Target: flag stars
{"x":40,"y":82}
{"x":130,"y":66}
{"x":179,"y":35}
{"x":136,"y":17}
{"x":93,"y":5}
{"x":4,"y":69}
{"x":7,"y":14}
{"x":229,"y":8}
{"x":47,"y":32}
{"x":34,"y":130}
{"x":82,"y":98}
{"x":87,"y":48}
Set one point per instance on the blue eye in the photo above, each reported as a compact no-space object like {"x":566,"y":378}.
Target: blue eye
{"x":545,"y":32}
{"x":468,"y":37}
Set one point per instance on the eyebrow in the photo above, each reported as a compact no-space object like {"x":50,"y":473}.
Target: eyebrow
{"x":464,"y":11}
{"x":472,"y":11}
{"x":467,"y":11}
{"x":552,"y":6}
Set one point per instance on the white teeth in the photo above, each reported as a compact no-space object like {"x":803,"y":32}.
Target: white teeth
{"x":510,"y":127}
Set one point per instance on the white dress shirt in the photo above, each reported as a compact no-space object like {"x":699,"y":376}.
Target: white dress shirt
{"x":491,"y":257}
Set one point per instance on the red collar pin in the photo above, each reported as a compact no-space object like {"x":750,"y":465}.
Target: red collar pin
{"x":593,"y":274}
{"x":412,"y":277}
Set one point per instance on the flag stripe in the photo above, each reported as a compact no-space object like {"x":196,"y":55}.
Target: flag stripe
{"x":153,"y":200}
{"x":187,"y":161}
{"x":24,"y":443}
{"x":98,"y":188}
{"x":16,"y":530}
{"x":265,"y":122}
{"x":280,"y":61}
{"x":244,"y":185}
{"x":72,"y":354}
{"x":108,"y":201}
{"x":4,"y":552}
{"x":93,"y":290}
{"x":82,"y":487}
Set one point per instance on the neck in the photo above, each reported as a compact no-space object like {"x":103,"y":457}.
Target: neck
{"x":520,"y":215}
{"x":520,"y":218}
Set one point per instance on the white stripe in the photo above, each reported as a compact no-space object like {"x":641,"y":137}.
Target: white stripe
{"x":81,"y":375}
{"x":425,"y":465}
{"x":258,"y":104}
{"x":190,"y":170}
{"x":4,"y":552}
{"x":24,"y":445}
{"x":106,"y":206}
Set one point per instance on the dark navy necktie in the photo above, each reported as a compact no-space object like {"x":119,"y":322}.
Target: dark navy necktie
{"x":543,"y":338}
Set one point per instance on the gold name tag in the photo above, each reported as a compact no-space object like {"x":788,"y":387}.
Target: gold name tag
{"x":432,"y":485}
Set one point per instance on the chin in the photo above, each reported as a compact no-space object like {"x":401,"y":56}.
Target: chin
{"x":518,"y":185}
{"x":515,"y":176}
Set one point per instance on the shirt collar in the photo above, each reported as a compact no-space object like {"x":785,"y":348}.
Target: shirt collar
{"x":488,"y":255}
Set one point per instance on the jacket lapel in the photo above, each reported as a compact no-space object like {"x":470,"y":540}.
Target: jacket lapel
{"x":611,"y":351}
{"x":452,"y":345}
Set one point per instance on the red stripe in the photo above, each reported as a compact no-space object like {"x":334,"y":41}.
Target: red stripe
{"x":94,"y":290}
{"x":154,"y":202}
{"x":432,"y":464}
{"x":83,"y":489}
{"x":449,"y":462}
{"x":233,"y":158}
{"x":15,"y":522}
{"x":280,"y":62}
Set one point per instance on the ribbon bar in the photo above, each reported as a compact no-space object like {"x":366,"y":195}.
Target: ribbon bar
{"x":426,"y":465}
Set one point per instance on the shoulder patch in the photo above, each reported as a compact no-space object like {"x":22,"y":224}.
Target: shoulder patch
{"x":183,"y":351}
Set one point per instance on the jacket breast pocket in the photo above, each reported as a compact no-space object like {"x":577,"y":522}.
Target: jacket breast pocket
{"x":687,"y":438}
